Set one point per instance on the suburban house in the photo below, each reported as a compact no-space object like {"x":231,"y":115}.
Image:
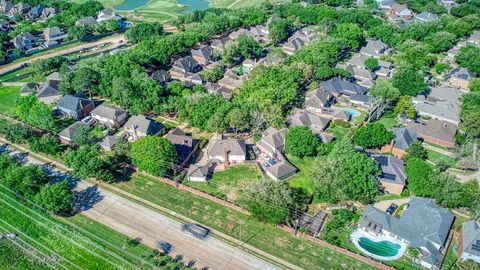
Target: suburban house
{"x":242,"y":31}
{"x":54,"y":33}
{"x":185,"y":145}
{"x":364,"y":77}
{"x":49,"y":12}
{"x":197,"y":173}
{"x":223,"y":91}
{"x":227,"y":151}
{"x":318,"y":99}
{"x":67,"y":135}
{"x":219,"y":44}
{"x":400,"y":12}
{"x":374,"y":48}
{"x":76,"y":106}
{"x":474,"y":38}
{"x":5,"y":6}
{"x":48,"y":91}
{"x":448,"y":4}
{"x":184,"y":66}
{"x":35,"y":12}
{"x":469,"y":242}
{"x":24,"y":41}
{"x":85,"y":22}
{"x":161,"y":76}
{"x":426,"y":17}
{"x":260,"y":33}
{"x":364,"y":101}
{"x":139,"y":126}
{"x":202,"y":55}
{"x":109,"y":116}
{"x":108,"y":143}
{"x":384,"y":69}
{"x":392,"y":178}
{"x":386,"y":4}
{"x":460,"y":78}
{"x":400,"y":143}
{"x":28,"y":89}
{"x":273,"y":141}
{"x":422,"y":225}
{"x":108,"y":14}
{"x":280,"y":170}
{"x":292,"y":45}
{"x":19,"y":9}
{"x":335,"y":114}
{"x":231,"y":80}
{"x":453,"y":52}
{"x":316,"y":123}
{"x":434,"y":131}
{"x":337,"y":86}
{"x":442,"y":103}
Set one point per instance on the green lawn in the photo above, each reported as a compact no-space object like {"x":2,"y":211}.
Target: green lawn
{"x":302,"y":179}
{"x":227,"y":184}
{"x":389,"y":121}
{"x":14,"y":257}
{"x":338,"y":131}
{"x":8,"y":95}
{"x":450,"y":261}
{"x":435,"y":157}
{"x":268,"y":238}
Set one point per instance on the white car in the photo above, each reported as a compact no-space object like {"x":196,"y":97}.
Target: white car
{"x":265,"y":157}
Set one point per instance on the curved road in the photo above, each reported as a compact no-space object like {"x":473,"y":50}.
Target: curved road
{"x":14,"y":65}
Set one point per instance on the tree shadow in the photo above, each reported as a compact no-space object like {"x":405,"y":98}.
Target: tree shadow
{"x":85,"y":199}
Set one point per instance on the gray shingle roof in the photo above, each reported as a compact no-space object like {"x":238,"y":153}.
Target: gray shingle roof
{"x":87,"y":21}
{"x":108,"y":112}
{"x":437,"y":129}
{"x":281,"y":169}
{"x":374,"y":48}
{"x":426,"y":17}
{"x":29,"y":88}
{"x":461,"y":73}
{"x":392,"y":169}
{"x":233,"y":147}
{"x":403,"y":138}
{"x":185,"y":64}
{"x":421,"y":222}
{"x":144,"y":124}
{"x":315,"y":122}
{"x":471,"y":236}
{"x":161,"y":76}
{"x":108,"y":142}
{"x":318,"y":98}
{"x":70,"y":131}
{"x":48,"y":89}
{"x":74,"y":102}
{"x":274,"y":138}
{"x":341,"y":86}
{"x":205,"y":52}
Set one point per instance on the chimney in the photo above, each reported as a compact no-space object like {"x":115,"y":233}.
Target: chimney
{"x":225,"y":158}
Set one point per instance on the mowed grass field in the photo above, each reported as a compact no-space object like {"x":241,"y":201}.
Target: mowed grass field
{"x":8,"y":95}
{"x":268,"y":238}
{"x":64,"y":243}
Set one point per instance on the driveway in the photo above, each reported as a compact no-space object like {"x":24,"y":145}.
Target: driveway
{"x":136,"y":221}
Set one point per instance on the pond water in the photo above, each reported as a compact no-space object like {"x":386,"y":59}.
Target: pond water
{"x":193,"y":5}
{"x":131,"y":4}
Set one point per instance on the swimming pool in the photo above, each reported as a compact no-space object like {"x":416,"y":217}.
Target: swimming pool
{"x":381,"y":247}
{"x":352,"y":112}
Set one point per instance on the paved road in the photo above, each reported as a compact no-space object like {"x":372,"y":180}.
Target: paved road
{"x":134,"y":221}
{"x":110,"y":39}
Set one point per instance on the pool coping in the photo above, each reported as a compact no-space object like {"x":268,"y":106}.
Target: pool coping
{"x":354,"y":237}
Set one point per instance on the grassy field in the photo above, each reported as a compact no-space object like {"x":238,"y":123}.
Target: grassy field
{"x":302,"y":178}
{"x":8,"y":95}
{"x":301,"y":252}
{"x":67,"y":243}
{"x":14,"y":257}
{"x":228,"y":183}
{"x":389,"y":121}
{"x":435,"y":157}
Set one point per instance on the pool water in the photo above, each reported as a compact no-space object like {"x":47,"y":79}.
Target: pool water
{"x":193,"y":5}
{"x":351,"y":112}
{"x":383,"y":248}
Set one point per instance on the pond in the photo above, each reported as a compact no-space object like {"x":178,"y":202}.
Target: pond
{"x":193,"y":5}
{"x":131,"y":4}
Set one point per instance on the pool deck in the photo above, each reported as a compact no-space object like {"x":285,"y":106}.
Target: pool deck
{"x":383,"y":205}
{"x":355,"y":236}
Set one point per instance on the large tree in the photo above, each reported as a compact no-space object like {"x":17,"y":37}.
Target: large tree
{"x":301,"y":142}
{"x":280,"y":29}
{"x":469,"y":57}
{"x":142,"y":31}
{"x":385,"y":91}
{"x":409,"y":80}
{"x":88,"y":161}
{"x":154,"y":155}
{"x":405,"y":107}
{"x":345,"y":174}
{"x":25,"y":180}
{"x":34,"y":112}
{"x":55,"y":197}
{"x":372,"y":135}
{"x":272,"y":201}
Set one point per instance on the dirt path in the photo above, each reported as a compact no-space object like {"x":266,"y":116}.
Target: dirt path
{"x":111,"y":39}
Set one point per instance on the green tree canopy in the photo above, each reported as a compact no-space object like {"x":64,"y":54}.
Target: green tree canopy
{"x":280,"y":29}
{"x":469,"y":57}
{"x":409,"y":81}
{"x":385,"y":91}
{"x":154,"y":155}
{"x":301,"y":142}
{"x":416,"y":150}
{"x":34,"y":112}
{"x":405,"y":107}
{"x":371,"y":63}
{"x":372,"y":135}
{"x":55,"y":197}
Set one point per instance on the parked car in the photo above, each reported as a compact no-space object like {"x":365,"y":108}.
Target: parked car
{"x":164,"y":246}
{"x":196,"y":230}
{"x":255,"y":150}
{"x":265,"y":157}
{"x":392,"y":208}
{"x":272,"y":161}
{"x":266,"y":164}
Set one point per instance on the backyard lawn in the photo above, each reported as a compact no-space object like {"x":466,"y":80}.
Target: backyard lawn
{"x":435,"y":157}
{"x":302,"y":179}
{"x":301,"y":252}
{"x":227,"y":184}
{"x":8,"y":95}
{"x":389,"y":121}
